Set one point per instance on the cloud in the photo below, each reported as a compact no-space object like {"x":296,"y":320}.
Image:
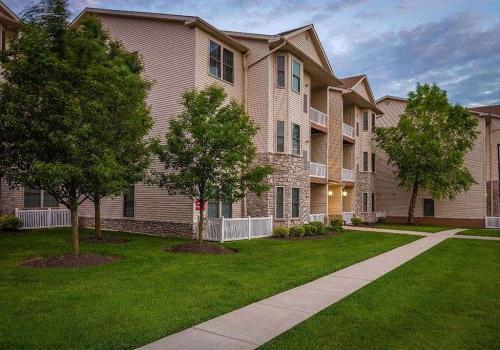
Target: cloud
{"x":456,"y":53}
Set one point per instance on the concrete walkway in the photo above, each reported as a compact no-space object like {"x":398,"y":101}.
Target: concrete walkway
{"x":255,"y":324}
{"x":386,"y":230}
{"x":485,"y":238}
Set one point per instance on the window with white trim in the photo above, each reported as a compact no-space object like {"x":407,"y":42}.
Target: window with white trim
{"x":215,"y":59}
{"x":129,"y":202}
{"x":280,"y":136}
{"x":280,"y":203}
{"x":33,"y":198}
{"x":228,"y":66}
{"x":296,"y":139}
{"x":280,"y":71}
{"x":295,"y":76}
{"x":365,"y":202}
{"x":217,"y":209}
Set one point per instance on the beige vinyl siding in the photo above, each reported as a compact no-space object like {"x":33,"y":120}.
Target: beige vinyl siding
{"x":319,"y":144}
{"x":362,"y":89}
{"x":295,"y":108}
{"x":394,"y":200}
{"x":279,"y":97}
{"x":335,"y":113}
{"x":319,"y":199}
{"x":304,"y":41}
{"x":203,"y":78}
{"x":167,"y":50}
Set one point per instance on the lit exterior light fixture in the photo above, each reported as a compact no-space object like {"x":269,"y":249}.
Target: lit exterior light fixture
{"x":344,"y":193}
{"x":330,"y":194}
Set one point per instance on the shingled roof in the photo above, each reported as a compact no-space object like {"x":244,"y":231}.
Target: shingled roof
{"x":493,"y":109}
{"x":349,"y":82}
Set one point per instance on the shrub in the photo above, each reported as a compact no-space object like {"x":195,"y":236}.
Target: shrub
{"x":356,"y":220}
{"x":10,"y":222}
{"x":337,"y":221}
{"x":310,"y":230}
{"x":320,"y":228}
{"x":281,"y":231}
{"x":297,"y":231}
{"x":381,"y":220}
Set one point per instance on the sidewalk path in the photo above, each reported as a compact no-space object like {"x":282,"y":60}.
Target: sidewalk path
{"x":386,"y":230}
{"x":486,"y":238}
{"x":257,"y":323}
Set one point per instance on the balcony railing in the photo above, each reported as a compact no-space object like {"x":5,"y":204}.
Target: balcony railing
{"x":347,"y":130}
{"x":348,"y":175}
{"x":317,"y":116}
{"x":317,"y":170}
{"x":347,"y":216}
{"x":317,"y":217}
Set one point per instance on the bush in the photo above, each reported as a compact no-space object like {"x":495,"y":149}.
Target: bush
{"x":356,"y":220}
{"x":310,"y":230}
{"x":320,"y":228}
{"x":10,"y":222}
{"x":381,"y":220}
{"x":297,"y":231}
{"x":281,"y":231}
{"x":337,"y":221}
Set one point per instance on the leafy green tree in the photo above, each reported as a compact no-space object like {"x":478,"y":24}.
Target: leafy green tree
{"x":209,"y":153}
{"x":53,"y":106}
{"x":428,"y":145}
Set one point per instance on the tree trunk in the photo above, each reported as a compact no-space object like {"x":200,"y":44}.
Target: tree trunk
{"x":201,"y":221}
{"x":97,"y":218}
{"x":75,"y":242}
{"x":413,"y":200}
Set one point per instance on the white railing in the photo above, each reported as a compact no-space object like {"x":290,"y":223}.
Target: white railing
{"x":347,"y":130}
{"x":223,"y":229}
{"x":317,"y":217}
{"x":380,"y":214}
{"x":347,"y":216}
{"x":38,"y":218}
{"x":317,"y":170}
{"x":317,"y":116}
{"x":347,"y":175}
{"x":492,"y":222}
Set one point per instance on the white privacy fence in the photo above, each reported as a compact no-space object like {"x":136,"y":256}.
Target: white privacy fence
{"x":347,"y":130}
{"x":317,"y":116}
{"x":492,"y":222}
{"x":223,"y":229}
{"x":317,"y":169}
{"x":317,"y":217}
{"x":38,"y":218}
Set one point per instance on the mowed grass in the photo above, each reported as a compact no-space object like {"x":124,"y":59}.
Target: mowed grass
{"x":150,"y":294}
{"x":418,"y":228}
{"x":490,"y":232}
{"x":446,"y":298}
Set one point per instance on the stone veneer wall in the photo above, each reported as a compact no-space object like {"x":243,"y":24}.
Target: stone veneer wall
{"x":160,"y":228}
{"x":289,"y":171}
{"x":365,"y":182}
{"x":7,"y":201}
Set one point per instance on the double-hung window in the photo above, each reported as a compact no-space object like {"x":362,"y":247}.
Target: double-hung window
{"x":280,"y":136}
{"x":227,"y":209}
{"x":280,"y":203}
{"x":365,"y":161}
{"x":296,"y":139}
{"x":428,"y":207}
{"x":373,"y":202}
{"x":295,"y":76}
{"x":228,"y":65}
{"x":34,"y":198}
{"x":295,"y":202}
{"x":365,"y":121}
{"x":365,"y":202}
{"x":373,"y":121}
{"x":215,"y":59}
{"x":373,"y":162}
{"x":129,"y":202}
{"x":280,"y":71}
{"x":217,"y":209}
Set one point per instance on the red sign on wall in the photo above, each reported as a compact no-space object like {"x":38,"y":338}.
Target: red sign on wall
{"x":199,"y":205}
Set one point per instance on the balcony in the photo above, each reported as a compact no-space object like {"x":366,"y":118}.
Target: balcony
{"x":348,"y":131}
{"x":348,"y":175}
{"x":317,"y":218}
{"x":318,"y":117}
{"x":317,"y":170}
{"x":347,"y":216}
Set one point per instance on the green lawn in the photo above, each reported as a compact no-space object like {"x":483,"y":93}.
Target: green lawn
{"x":150,"y":293}
{"x":481,"y":232}
{"x":446,"y":298}
{"x":418,"y":228}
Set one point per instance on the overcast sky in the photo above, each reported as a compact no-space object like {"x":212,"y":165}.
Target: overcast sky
{"x":455,"y":44}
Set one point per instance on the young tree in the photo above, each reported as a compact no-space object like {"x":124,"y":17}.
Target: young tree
{"x":52,"y":105}
{"x":428,"y":145}
{"x":209,"y":152}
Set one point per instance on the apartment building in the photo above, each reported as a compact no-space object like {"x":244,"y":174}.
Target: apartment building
{"x":351,"y":190}
{"x":467,"y":209}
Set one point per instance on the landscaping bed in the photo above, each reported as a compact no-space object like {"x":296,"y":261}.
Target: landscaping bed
{"x":70,"y":260}
{"x":149,"y":293}
{"x":446,"y":298}
{"x":200,"y":248}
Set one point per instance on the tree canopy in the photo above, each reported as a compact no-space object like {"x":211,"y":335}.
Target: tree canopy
{"x":428,"y":145}
{"x":209,"y":153}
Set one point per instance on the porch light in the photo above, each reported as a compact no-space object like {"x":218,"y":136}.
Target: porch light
{"x":344,"y":193}
{"x":330,"y":194}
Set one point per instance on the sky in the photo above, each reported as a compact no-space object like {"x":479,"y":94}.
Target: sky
{"x":453,"y":43}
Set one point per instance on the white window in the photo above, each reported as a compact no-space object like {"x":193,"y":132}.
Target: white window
{"x":295,"y":202}
{"x":129,"y":202}
{"x":215,"y":209}
{"x":296,"y":139}
{"x":280,"y":203}
{"x":280,"y":136}
{"x":38,"y":199}
{"x":295,"y":76}
{"x":221,"y":62}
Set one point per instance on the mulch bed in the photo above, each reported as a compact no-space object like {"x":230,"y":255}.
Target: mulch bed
{"x":104,"y":240}
{"x":200,"y":248}
{"x":305,"y":238}
{"x":70,"y":260}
